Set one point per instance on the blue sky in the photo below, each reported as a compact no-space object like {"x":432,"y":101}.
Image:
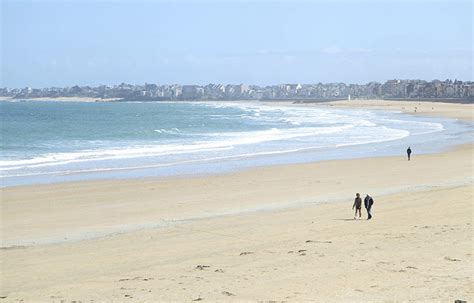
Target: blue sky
{"x":64,"y":43}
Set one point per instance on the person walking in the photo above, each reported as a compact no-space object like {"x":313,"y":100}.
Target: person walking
{"x":409,"y":153}
{"x":368,"y":202}
{"x":357,"y":205}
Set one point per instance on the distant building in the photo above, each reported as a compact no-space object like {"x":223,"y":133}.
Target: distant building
{"x":243,"y":89}
{"x":411,"y":89}
{"x":191,"y":92}
{"x":394,"y":88}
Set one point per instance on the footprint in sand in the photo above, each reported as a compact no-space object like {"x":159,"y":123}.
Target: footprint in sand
{"x":136,"y":278}
{"x":313,"y":241}
{"x":451,"y":259}
{"x":201,"y":267}
{"x":226,"y":293}
{"x":246,"y":253}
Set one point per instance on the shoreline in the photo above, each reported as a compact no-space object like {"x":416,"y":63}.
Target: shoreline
{"x":75,"y":191}
{"x":280,"y":232}
{"x":462,"y":111}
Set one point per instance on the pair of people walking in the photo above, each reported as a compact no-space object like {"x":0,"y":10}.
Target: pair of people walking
{"x":368,"y":202}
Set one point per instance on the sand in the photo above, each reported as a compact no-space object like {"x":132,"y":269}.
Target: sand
{"x":281,"y":233}
{"x":435,"y":109}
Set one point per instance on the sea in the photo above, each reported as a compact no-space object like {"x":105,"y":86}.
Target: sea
{"x":50,"y":142}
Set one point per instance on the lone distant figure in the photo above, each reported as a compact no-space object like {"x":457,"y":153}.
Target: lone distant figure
{"x":368,"y":202}
{"x":409,"y":153}
{"x":357,"y":205}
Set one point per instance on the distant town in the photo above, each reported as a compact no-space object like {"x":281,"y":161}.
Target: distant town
{"x":447,"y":90}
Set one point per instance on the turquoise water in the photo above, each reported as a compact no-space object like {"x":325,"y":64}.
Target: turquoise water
{"x":44,"y":142}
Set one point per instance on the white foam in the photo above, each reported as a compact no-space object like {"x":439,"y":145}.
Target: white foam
{"x":171,"y":131}
{"x":219,"y":141}
{"x":295,"y":129}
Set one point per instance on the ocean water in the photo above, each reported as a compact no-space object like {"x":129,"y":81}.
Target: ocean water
{"x":44,"y":142}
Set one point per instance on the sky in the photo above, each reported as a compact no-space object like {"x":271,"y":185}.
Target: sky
{"x":66,"y":43}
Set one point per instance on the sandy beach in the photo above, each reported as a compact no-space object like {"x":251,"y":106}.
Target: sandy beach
{"x":435,"y":109}
{"x":279,"y":233}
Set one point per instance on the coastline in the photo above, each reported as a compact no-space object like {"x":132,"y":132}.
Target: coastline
{"x":244,"y":225}
{"x":61,"y":99}
{"x":462,"y":111}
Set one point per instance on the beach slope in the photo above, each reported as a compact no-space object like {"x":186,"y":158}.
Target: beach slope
{"x":281,"y":233}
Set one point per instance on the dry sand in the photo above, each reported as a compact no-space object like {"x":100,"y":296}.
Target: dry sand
{"x":436,"y":109}
{"x":282,"y":233}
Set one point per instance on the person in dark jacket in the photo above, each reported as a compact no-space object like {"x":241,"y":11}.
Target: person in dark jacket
{"x":409,"y":153}
{"x":368,"y":202}
{"x":357,"y":205}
